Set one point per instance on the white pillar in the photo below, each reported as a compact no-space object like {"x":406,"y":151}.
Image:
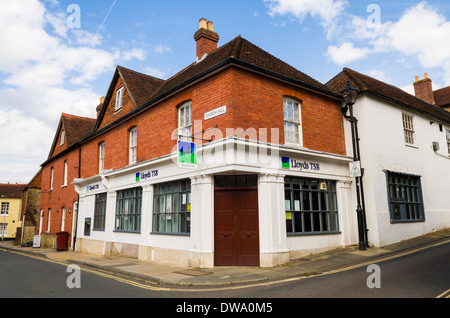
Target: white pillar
{"x":202,"y":222}
{"x":272,"y":221}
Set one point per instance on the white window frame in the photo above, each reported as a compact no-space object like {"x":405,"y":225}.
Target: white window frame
{"x":49,"y":220}
{"x":119,"y":99}
{"x":63,"y":137}
{"x":51,"y":179}
{"x":185,"y":122}
{"x":63,"y":219}
{"x":133,"y":146}
{"x":65,"y":173}
{"x":101,"y":157}
{"x":409,"y":134}
{"x":293,"y":120}
{"x":3,"y":229}
{"x":4,"y":209}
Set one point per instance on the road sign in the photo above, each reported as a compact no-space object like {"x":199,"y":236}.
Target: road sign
{"x":355,"y":169}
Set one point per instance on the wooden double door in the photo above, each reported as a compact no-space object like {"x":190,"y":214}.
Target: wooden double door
{"x":236,"y":230}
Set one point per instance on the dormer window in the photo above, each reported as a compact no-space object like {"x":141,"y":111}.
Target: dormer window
{"x":119,"y":98}
{"x":63,"y":136}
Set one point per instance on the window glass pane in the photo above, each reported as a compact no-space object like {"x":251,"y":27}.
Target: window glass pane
{"x":404,"y":197}
{"x":308,"y":208}
{"x":171,"y":216}
{"x":252,"y":181}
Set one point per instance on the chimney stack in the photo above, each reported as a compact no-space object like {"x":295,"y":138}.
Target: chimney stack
{"x":206,"y":38}
{"x":99,"y":107}
{"x":423,"y":89}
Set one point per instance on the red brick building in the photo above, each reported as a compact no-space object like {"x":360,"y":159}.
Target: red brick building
{"x":271,"y":181}
{"x":58,"y":202}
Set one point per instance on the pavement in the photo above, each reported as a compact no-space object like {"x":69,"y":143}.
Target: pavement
{"x":163,"y":274}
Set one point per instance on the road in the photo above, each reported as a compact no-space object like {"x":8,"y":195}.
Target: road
{"x":425,"y":274}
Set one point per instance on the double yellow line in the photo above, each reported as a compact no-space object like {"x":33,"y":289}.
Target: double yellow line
{"x":445,"y":294}
{"x":151,"y":286}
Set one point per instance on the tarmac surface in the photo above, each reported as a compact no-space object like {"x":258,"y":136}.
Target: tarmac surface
{"x":164,"y":274}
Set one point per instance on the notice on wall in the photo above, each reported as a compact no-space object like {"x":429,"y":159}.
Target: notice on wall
{"x":355,"y":169}
{"x":37,"y":241}
{"x":215,"y":112}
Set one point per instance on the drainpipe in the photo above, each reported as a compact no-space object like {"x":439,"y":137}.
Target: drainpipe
{"x":75,"y":213}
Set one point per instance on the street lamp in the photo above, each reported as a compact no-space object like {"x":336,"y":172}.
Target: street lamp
{"x":350,"y":94}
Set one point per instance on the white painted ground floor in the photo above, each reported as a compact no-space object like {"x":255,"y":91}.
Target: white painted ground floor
{"x":244,"y":203}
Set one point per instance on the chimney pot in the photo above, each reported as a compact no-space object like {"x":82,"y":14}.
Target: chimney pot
{"x":203,"y":24}
{"x":425,"y":75}
{"x":417,"y":78}
{"x":210,"y":26}
{"x":206,"y":38}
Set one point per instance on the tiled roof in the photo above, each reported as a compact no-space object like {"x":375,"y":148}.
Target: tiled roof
{"x":140,"y":86}
{"x":245,"y":53}
{"x":442,"y":96}
{"x":367,"y":84}
{"x":147,"y":90}
{"x":12,"y":191}
{"x":76,"y":128}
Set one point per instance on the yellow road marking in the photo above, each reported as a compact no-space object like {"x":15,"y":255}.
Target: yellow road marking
{"x":443,"y":295}
{"x":287,"y":280}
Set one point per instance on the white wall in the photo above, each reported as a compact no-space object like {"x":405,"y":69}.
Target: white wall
{"x":383,"y":148}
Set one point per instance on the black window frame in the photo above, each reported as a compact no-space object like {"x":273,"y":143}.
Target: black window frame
{"x":405,"y":199}
{"x":100,"y":212}
{"x":129,"y":222}
{"x":316,"y":212}
{"x":179,"y":211}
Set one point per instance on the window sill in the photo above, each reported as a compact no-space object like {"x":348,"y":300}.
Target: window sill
{"x":411,"y":146}
{"x":171,"y":234}
{"x":314,"y":233}
{"x":64,"y":186}
{"x":117,"y":110}
{"x":291,"y":144}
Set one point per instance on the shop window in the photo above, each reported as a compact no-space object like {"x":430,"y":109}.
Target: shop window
{"x":100,"y":212}
{"x":128,"y":210}
{"x":311,"y":206}
{"x":405,"y":197}
{"x":172,"y":207}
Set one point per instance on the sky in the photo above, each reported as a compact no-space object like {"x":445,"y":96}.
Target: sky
{"x":59,"y":56}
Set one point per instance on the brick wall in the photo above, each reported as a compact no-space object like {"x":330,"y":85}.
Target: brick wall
{"x":60,"y":196}
{"x":252,"y":101}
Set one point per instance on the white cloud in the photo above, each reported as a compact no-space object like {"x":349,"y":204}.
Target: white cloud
{"x":46,"y":68}
{"x":162,"y":48}
{"x":154,"y":72}
{"x":134,"y":53}
{"x":346,"y":53}
{"x":325,"y":10}
{"x":422,"y":31}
